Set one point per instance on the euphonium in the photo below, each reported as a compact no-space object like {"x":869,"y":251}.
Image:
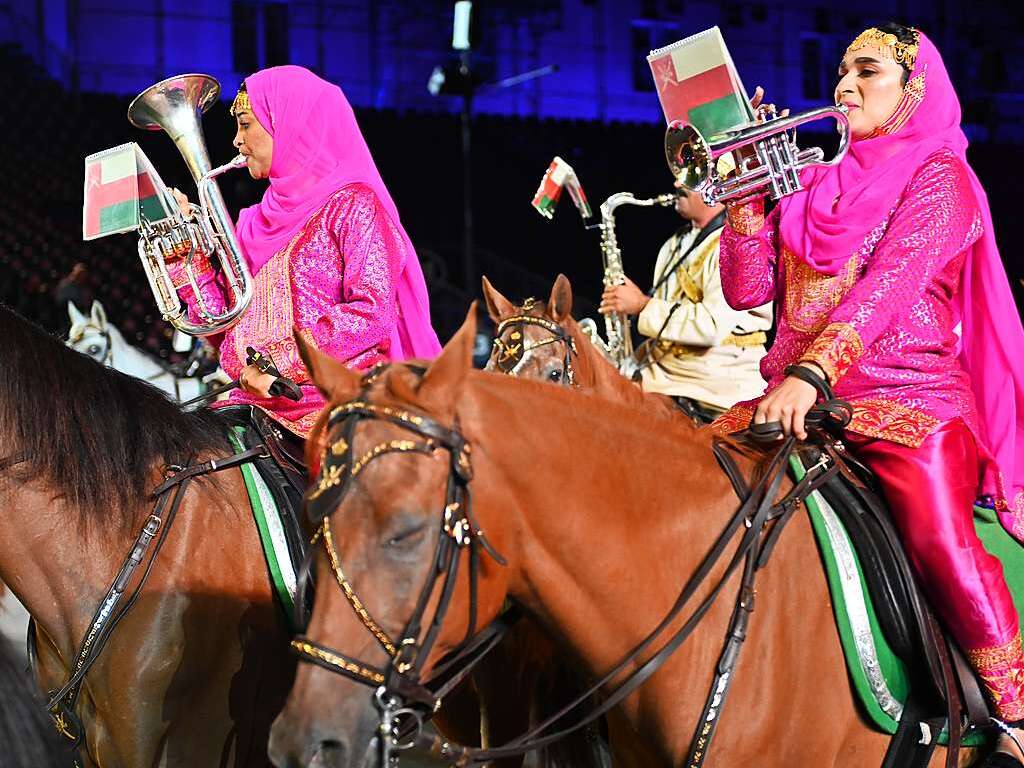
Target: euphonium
{"x":767,"y":157}
{"x":176,"y":105}
{"x":619,"y":346}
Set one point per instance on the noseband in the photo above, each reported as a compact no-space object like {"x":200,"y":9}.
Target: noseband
{"x":400,"y":682}
{"x":512,"y":354}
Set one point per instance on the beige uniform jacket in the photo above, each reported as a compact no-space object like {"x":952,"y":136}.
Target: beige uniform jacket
{"x":702,"y":348}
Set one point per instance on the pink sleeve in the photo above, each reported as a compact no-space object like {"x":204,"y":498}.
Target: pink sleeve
{"x":207,"y":280}
{"x":748,"y":254}
{"x":373,"y":255}
{"x":935,"y":221}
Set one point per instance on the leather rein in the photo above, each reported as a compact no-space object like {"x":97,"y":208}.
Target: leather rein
{"x":401,"y":695}
{"x":167,"y":497}
{"x":514,"y":352}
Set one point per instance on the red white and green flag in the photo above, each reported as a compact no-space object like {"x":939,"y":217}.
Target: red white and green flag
{"x":560,"y":175}
{"x":697,"y":82}
{"x":120,"y":185}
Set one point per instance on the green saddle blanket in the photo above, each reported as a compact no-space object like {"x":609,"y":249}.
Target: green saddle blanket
{"x":270,"y":525}
{"x":879,"y":677}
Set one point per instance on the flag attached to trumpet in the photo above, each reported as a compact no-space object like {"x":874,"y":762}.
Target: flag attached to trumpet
{"x":697,"y":82}
{"x":121,"y":186}
{"x":560,"y":175}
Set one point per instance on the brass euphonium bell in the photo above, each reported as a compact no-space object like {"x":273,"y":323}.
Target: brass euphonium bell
{"x":176,"y":106}
{"x":767,"y":158}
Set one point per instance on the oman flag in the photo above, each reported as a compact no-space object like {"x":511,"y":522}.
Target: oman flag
{"x":120,"y":184}
{"x":697,"y":83}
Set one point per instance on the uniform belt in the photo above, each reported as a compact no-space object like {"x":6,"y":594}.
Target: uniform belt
{"x":755,"y":339}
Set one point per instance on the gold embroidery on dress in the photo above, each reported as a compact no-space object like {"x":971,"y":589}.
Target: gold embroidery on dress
{"x":811,"y":295}
{"x":836,"y":348}
{"x":1001,"y":668}
{"x":891,"y":421}
{"x":746,"y":218}
{"x":271,"y":315}
{"x":735,"y":419}
{"x":1007,"y":653}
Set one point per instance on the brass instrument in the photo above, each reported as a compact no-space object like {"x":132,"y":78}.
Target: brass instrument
{"x":176,"y":105}
{"x":768,"y":159}
{"x":619,"y":345}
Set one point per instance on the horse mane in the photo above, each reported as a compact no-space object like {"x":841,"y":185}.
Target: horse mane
{"x":93,"y":434}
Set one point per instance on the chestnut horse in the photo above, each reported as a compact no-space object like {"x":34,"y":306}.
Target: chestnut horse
{"x":545,"y":356}
{"x":196,"y":671}
{"x":597,"y":513}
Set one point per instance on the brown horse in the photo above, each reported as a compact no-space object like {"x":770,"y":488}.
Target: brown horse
{"x":196,"y":671}
{"x":544,"y":357}
{"x":601,"y":511}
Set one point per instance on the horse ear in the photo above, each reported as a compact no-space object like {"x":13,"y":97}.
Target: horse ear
{"x":441,"y":382}
{"x":498,"y":306}
{"x":560,"y":303}
{"x":75,"y":315}
{"x":336,"y":382}
{"x":99,"y":315}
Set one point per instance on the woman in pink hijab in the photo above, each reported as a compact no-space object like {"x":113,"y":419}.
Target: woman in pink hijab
{"x":890,"y":286}
{"x":325,"y":245}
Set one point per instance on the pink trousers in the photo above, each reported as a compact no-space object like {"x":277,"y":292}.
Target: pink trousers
{"x":931,"y":491}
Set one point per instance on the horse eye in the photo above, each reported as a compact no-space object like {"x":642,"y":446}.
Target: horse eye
{"x":405,"y":538}
{"x":93,"y":349}
{"x":555,"y":375}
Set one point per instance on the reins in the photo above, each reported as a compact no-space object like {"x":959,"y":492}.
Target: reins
{"x":152,"y":535}
{"x":399,"y":684}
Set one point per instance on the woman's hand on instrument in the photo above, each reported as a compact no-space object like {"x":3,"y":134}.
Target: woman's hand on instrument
{"x":626,"y":298}
{"x":762,"y":111}
{"x":183,"y":201}
{"x":788,"y":404}
{"x":255,"y":382}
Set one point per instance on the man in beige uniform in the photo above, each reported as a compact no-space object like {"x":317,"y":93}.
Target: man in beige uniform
{"x":699,"y":350}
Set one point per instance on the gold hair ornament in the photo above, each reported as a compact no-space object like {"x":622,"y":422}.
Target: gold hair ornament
{"x":888,"y":43}
{"x":241,"y":103}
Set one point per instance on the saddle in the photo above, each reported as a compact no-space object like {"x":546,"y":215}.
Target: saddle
{"x":943,"y":689}
{"x":283,"y":469}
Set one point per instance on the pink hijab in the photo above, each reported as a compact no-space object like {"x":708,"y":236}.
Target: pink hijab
{"x":318,"y":149}
{"x":870,"y":181}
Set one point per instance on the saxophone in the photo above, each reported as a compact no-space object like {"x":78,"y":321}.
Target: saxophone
{"x":619,"y":345}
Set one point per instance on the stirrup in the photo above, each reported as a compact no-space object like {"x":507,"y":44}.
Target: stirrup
{"x":1001,"y":759}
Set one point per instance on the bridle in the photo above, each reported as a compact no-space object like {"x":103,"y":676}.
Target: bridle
{"x":399,"y":685}
{"x":401,"y":696}
{"x":514,"y":353}
{"x":108,"y":348}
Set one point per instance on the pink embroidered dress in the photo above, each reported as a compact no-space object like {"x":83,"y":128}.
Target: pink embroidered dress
{"x":329,"y":257}
{"x":334,"y":283}
{"x":883,"y":327}
{"x":885,"y":274}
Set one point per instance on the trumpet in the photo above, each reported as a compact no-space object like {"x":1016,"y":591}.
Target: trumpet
{"x":768,"y":158}
{"x":176,"y":105}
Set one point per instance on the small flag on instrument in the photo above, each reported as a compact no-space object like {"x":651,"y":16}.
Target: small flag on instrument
{"x":120,"y":185}
{"x":697,"y":82}
{"x":560,"y":175}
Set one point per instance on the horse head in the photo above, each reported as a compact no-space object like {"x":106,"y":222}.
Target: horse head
{"x":535,"y":340}
{"x":386,"y":524}
{"x":92,"y":335}
{"x":542,"y":341}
